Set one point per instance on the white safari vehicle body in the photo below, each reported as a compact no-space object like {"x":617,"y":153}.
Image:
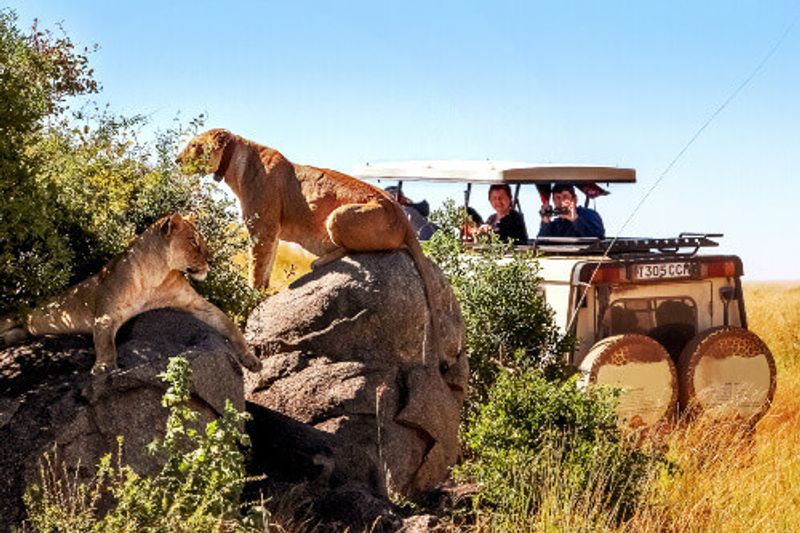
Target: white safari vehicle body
{"x":651,"y":316}
{"x":584,"y":290}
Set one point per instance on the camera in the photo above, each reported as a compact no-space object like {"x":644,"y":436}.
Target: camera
{"x":548,"y":210}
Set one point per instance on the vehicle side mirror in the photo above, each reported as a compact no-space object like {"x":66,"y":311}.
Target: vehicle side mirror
{"x":727,"y":294}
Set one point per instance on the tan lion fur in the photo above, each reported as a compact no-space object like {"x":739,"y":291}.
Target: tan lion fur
{"x":148,"y":275}
{"x":326,"y":212}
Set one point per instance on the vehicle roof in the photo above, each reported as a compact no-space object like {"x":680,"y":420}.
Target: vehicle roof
{"x":472,"y":171}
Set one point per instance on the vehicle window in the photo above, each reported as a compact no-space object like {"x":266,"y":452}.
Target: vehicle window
{"x":670,"y":321}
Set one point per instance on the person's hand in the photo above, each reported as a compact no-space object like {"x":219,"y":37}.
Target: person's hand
{"x":544,"y":213}
{"x":483,"y":229}
{"x":571,"y":212}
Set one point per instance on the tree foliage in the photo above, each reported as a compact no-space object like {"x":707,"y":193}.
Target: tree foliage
{"x":80,"y":184}
{"x":38,"y":72}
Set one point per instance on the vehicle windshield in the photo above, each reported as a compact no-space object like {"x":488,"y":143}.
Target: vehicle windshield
{"x":671,"y":321}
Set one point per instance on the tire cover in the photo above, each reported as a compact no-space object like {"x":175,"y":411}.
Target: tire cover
{"x":727,"y":372}
{"x":643,"y":369}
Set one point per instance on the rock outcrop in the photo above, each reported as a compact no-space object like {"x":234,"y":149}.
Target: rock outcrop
{"x":358,"y":398}
{"x":349,"y":350}
{"x":49,"y":401}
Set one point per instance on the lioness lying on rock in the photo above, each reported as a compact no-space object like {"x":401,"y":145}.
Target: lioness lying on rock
{"x":148,"y":275}
{"x":326,"y":212}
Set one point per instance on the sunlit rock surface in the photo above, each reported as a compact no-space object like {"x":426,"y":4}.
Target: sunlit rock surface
{"x":349,"y":351}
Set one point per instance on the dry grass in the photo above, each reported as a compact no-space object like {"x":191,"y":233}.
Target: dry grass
{"x":773,"y":311}
{"x":729,"y":482}
{"x":726,"y":477}
{"x":291,"y":262}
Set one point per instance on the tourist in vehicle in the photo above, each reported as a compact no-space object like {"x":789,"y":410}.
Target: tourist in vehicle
{"x":572,"y":220}
{"x":506,"y":222}
{"x":417,"y":213}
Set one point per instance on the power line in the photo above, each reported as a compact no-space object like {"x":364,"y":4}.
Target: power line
{"x":683,"y":150}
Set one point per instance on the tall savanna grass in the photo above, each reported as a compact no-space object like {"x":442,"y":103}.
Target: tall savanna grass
{"x":730,"y":479}
{"x":724,"y":476}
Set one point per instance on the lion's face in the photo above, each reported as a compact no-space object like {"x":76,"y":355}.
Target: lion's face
{"x":187,"y":248}
{"x":203,"y":154}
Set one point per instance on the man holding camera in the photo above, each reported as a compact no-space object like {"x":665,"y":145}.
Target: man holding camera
{"x":572,"y":220}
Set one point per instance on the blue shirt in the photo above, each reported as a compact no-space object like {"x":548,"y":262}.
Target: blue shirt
{"x":588,"y":224}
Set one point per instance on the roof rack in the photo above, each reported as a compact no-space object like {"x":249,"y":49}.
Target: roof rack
{"x":686,"y":244}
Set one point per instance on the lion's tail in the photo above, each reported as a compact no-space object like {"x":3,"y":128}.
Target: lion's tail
{"x":423,"y":265}
{"x":425,"y":269}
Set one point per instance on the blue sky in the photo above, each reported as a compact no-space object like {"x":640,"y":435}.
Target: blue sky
{"x":623,"y":83}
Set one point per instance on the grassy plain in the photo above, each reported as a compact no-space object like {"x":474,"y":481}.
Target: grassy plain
{"x":291,"y":262}
{"x":732,"y":484}
{"x":725,"y":478}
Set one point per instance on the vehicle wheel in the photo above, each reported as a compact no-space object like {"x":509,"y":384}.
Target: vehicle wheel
{"x":727,"y":372}
{"x":642,"y":368}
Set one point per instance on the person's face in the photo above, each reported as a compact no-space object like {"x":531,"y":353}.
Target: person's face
{"x":501,"y":201}
{"x":564,"y":200}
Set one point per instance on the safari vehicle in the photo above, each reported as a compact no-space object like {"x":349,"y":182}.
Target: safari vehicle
{"x":657,"y":317}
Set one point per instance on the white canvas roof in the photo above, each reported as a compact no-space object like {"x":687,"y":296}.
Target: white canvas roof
{"x":492,"y":172}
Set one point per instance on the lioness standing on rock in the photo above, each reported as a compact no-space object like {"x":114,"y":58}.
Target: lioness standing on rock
{"x":326,"y":212}
{"x":148,"y":275}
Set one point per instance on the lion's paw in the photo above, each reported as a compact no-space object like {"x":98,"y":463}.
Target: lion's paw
{"x":100,"y":370}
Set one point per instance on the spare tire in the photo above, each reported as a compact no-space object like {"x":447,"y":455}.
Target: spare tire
{"x":727,"y":373}
{"x":642,"y":368}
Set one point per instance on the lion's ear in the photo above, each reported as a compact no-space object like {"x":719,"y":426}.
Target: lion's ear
{"x":221,"y":138}
{"x":170,"y":222}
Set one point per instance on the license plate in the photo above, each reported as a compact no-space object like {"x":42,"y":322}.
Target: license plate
{"x":663,"y":271}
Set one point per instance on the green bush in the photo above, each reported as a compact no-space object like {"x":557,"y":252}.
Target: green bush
{"x":38,"y":72}
{"x":78,"y":186}
{"x":198,"y":489}
{"x":508,"y":322}
{"x":110,"y":185}
{"x":546,"y":454}
{"x":534,"y":436}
